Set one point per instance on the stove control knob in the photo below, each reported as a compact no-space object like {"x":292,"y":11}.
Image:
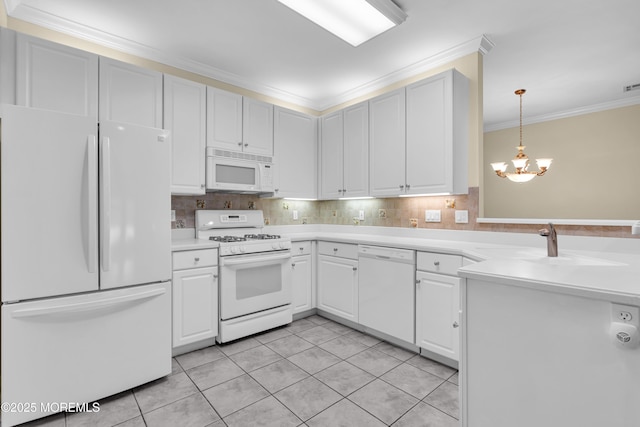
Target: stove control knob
{"x":243,"y":249}
{"x":274,"y":245}
{"x":282,"y":245}
{"x":234,"y":249}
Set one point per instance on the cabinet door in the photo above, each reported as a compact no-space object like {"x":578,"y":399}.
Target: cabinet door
{"x":387,"y":144}
{"x":429,"y":154}
{"x":331,"y":156}
{"x":301,"y":280}
{"x":195,"y":305}
{"x":437,"y":314}
{"x":437,"y":134}
{"x":185,"y":116}
{"x":295,"y":149}
{"x":56,"y":77}
{"x":257,"y":127}
{"x":224,"y":119}
{"x":338,"y":286}
{"x":356,"y":151}
{"x":130,"y":94}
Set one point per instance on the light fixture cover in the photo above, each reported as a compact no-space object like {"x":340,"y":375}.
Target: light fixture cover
{"x":354,"y":21}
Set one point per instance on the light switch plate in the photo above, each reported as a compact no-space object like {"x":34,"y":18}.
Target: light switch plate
{"x":295,"y":215}
{"x":432,"y":216}
{"x":361,"y":215}
{"x":462,"y":217}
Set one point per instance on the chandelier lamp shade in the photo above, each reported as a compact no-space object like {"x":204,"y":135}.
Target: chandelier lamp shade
{"x":521,"y":161}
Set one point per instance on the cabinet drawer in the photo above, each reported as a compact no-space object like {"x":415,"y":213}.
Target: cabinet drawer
{"x":343,"y":250}
{"x":195,"y":259}
{"x":300,"y":248}
{"x":439,"y":263}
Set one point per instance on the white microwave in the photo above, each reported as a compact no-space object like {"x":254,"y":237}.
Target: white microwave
{"x":238,"y":172}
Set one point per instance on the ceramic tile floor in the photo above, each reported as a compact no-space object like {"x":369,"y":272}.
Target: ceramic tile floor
{"x":313,"y":372}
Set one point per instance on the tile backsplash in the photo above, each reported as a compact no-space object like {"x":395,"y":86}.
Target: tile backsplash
{"x":391,"y":212}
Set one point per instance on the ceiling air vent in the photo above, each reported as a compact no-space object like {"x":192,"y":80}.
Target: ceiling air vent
{"x":629,"y":88}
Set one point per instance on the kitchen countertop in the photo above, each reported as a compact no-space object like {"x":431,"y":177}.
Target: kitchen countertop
{"x":608,"y":269}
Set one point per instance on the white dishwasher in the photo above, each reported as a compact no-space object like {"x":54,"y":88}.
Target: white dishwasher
{"x":386,"y":289}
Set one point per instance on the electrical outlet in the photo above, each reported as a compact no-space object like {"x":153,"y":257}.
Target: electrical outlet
{"x":462,"y":217}
{"x":361,"y":215}
{"x":173,"y":215}
{"x":432,"y":216}
{"x":295,"y":215}
{"x":625,"y":313}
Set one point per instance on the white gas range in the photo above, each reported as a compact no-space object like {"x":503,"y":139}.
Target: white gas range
{"x":254,"y":272}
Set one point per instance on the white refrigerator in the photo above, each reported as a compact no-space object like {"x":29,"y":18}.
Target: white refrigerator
{"x":85,"y":249}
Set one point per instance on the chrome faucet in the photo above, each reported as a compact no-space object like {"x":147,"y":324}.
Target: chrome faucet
{"x":552,"y":240}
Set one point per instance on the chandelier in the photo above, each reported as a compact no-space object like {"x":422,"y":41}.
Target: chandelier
{"x":521,"y":161}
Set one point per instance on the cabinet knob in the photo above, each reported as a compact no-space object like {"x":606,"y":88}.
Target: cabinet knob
{"x":344,"y":190}
{"x":436,"y":263}
{"x":215,"y":276}
{"x":402,"y":187}
{"x":339,"y":190}
{"x":408,"y":186}
{"x":417,"y":281}
{"x":201,"y":185}
{"x":355,"y":268}
{"x":239,"y":144}
{"x":335,"y":250}
{"x":196,"y":259}
{"x":293,"y":265}
{"x":455,"y":324}
{"x":276,"y":190}
{"x":246,"y":145}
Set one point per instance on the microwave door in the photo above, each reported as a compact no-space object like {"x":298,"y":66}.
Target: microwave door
{"x":232,"y":175}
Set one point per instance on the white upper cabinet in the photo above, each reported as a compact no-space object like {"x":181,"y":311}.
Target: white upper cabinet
{"x":387,"y":144}
{"x":344,"y":156}
{"x":53,"y":77}
{"x":257,"y":127}
{"x":437,"y":134}
{"x":238,"y":123}
{"x":224,"y":119}
{"x":419,"y":138}
{"x":130,"y":94}
{"x":185,"y":116}
{"x":356,"y":151}
{"x":295,"y":141}
{"x":331,"y":155}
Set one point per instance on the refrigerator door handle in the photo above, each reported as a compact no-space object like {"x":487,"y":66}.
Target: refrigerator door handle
{"x":88,"y":305}
{"x":105,"y":195}
{"x":92,"y":200}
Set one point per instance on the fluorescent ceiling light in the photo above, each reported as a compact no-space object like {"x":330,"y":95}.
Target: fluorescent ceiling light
{"x":354,"y":21}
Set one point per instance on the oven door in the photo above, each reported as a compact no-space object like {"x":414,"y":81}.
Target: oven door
{"x":255,"y":282}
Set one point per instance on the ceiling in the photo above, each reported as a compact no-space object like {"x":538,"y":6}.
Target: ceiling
{"x":571,"y":55}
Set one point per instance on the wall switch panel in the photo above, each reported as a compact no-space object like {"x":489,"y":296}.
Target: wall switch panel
{"x":432,"y":216}
{"x":462,"y":217}
{"x":361,"y":215}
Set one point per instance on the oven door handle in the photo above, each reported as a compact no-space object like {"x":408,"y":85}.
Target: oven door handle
{"x":262,"y":259}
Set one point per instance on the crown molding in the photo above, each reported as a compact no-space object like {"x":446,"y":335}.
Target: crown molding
{"x":53,"y":22}
{"x":479,"y":44}
{"x":610,"y":105}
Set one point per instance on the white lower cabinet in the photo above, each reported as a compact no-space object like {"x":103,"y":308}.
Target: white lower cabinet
{"x":195,"y":296}
{"x":338,"y":279}
{"x":302,"y":276}
{"x":438,"y":303}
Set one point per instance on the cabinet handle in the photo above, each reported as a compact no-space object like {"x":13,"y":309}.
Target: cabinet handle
{"x":246,"y":144}
{"x":402,"y":187}
{"x":455,"y":324}
{"x":196,"y":259}
{"x":436,"y":263}
{"x":355,"y":268}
